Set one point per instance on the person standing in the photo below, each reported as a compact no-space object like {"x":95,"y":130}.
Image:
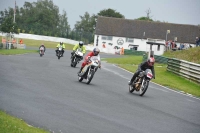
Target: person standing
{"x":197,"y":40}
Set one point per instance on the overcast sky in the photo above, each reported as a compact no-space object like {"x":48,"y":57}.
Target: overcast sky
{"x":172,"y":11}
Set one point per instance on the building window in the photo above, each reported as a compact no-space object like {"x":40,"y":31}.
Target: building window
{"x":130,"y":40}
{"x":107,"y":38}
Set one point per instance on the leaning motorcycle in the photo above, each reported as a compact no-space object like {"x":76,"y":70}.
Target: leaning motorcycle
{"x":141,"y":82}
{"x":59,"y":52}
{"x":89,"y":70}
{"x":76,"y":58}
{"x":41,"y":51}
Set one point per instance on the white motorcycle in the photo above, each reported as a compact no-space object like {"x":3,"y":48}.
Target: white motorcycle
{"x":76,"y":58}
{"x":141,"y":82}
{"x":59,"y":53}
{"x":41,"y":51}
{"x":89,"y":70}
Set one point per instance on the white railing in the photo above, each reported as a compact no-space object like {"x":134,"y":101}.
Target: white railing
{"x":185,"y":69}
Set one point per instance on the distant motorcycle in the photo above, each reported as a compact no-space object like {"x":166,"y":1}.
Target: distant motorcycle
{"x":59,"y":52}
{"x":89,"y":69}
{"x":141,"y":82}
{"x":76,"y":58}
{"x":41,"y":52}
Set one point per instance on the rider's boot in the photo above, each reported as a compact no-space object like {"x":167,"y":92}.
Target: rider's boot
{"x":80,"y":70}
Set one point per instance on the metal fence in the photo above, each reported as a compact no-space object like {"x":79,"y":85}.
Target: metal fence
{"x":188,"y":70}
{"x":185,"y":69}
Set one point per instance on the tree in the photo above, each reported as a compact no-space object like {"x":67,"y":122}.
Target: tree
{"x":144,"y":18}
{"x":8,"y":26}
{"x":63,"y":26}
{"x":85,"y":27}
{"x":110,"y":13}
{"x":148,"y":17}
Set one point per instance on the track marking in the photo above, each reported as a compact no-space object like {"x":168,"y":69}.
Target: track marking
{"x":182,"y":93}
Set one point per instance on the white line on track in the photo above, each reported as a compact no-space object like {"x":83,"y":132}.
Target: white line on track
{"x":182,"y":93}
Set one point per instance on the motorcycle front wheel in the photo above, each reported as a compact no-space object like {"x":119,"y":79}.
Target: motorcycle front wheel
{"x":131,"y":88}
{"x":90,"y":76}
{"x":144,"y":87}
{"x":80,"y":79}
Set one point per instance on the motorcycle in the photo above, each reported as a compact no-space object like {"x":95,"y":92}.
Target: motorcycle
{"x":76,"y":58}
{"x":59,"y":52}
{"x":141,"y":82}
{"x":41,"y":51}
{"x":89,"y":70}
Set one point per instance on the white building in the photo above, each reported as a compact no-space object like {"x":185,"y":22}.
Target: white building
{"x":134,"y":34}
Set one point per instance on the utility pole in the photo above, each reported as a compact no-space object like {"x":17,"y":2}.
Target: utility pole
{"x":14,"y":12}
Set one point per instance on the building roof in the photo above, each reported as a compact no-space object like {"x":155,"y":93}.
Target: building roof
{"x":135,"y":29}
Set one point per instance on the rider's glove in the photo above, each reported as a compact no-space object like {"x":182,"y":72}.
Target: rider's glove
{"x":88,"y":57}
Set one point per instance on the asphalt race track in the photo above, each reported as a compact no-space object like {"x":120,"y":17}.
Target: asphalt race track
{"x":45,"y":92}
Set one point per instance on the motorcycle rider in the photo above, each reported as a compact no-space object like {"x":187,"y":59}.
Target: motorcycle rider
{"x":149,"y":64}
{"x":42,"y":45}
{"x":63,"y":47}
{"x":78,"y":46}
{"x":95,"y":52}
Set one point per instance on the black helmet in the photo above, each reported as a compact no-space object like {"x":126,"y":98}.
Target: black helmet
{"x":80,"y":43}
{"x":61,"y":43}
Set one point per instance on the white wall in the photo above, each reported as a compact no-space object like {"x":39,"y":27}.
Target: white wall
{"x":142,"y":45}
{"x":45,"y":38}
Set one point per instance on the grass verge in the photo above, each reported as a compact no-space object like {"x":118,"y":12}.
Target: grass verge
{"x":9,"y":124}
{"x":16,"y":51}
{"x":163,"y":77}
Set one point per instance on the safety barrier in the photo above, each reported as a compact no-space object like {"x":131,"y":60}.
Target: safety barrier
{"x":133,"y":52}
{"x":185,"y":69}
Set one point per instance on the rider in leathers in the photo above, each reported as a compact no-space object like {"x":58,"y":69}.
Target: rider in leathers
{"x":63,"y":47}
{"x":95,"y":52}
{"x":149,"y":64}
{"x":78,"y":46}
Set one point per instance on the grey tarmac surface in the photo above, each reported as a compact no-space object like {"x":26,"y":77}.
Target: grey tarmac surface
{"x":45,"y":92}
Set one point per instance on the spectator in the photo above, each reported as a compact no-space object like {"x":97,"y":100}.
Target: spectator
{"x":175,"y":45}
{"x":181,"y":46}
{"x":172,"y":44}
{"x":13,"y":41}
{"x":4,"y":41}
{"x":197,"y":41}
{"x":166,"y":45}
{"x":21,"y":41}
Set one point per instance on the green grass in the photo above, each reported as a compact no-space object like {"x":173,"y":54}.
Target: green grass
{"x":37,"y":43}
{"x":32,"y":43}
{"x":163,"y":77}
{"x":48,"y":44}
{"x":191,"y":55}
{"x":10,"y":124}
{"x":16,"y":51}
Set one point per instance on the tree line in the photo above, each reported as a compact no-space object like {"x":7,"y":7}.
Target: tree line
{"x":43,"y":18}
